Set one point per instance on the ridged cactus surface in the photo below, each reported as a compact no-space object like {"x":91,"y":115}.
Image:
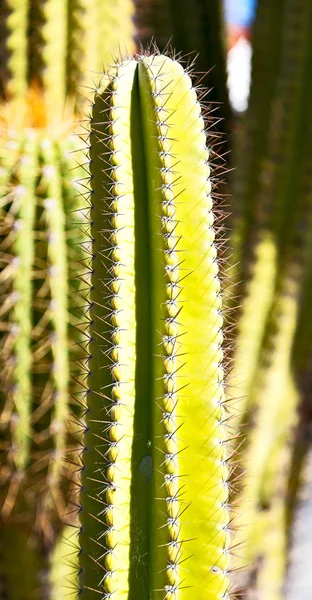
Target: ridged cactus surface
{"x":154,"y":498}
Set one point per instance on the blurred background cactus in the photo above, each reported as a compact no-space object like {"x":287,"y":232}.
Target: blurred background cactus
{"x":55,"y":46}
{"x":52,"y":56}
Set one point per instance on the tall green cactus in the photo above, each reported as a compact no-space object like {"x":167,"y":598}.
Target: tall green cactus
{"x":40,"y":227}
{"x":154,"y":496}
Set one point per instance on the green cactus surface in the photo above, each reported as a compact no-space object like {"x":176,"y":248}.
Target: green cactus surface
{"x":154,"y":497}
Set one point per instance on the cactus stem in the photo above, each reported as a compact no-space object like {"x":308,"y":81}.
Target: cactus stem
{"x":154,"y":480}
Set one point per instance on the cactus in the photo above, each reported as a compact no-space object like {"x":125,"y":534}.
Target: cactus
{"x":47,"y":51}
{"x":40,"y":222}
{"x":38,"y":265}
{"x":279,"y":241}
{"x":154,"y":497}
{"x":18,"y":213}
{"x":271,"y":224}
{"x":57,"y":45}
{"x":97,"y":31}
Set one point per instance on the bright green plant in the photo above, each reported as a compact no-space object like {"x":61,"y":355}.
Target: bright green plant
{"x":154,"y":497}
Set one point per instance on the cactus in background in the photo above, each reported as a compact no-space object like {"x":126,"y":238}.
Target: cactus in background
{"x":63,"y":572}
{"x":13,"y":47}
{"x":17,"y":257}
{"x":47,"y":50}
{"x":57,"y":45}
{"x":98,"y":30}
{"x":154,"y":496}
{"x":39,"y":313}
{"x":275,"y":228}
{"x":192,"y":27}
{"x":254,"y":236}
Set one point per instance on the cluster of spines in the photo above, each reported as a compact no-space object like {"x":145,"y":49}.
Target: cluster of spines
{"x":170,"y":341}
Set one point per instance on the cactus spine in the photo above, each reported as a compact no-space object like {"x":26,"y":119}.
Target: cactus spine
{"x":154,"y":518}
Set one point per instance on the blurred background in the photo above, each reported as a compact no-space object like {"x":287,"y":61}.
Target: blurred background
{"x":254,"y":58}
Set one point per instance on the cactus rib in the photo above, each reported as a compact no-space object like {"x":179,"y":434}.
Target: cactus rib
{"x":22,"y":210}
{"x":58,"y":308}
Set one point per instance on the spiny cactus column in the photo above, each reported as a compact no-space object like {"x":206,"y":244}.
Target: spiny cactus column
{"x":154,"y":514}
{"x":39,"y":311}
{"x":272,"y":216}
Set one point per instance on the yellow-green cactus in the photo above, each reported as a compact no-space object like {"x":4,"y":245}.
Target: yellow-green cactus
{"x":154,"y":514}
